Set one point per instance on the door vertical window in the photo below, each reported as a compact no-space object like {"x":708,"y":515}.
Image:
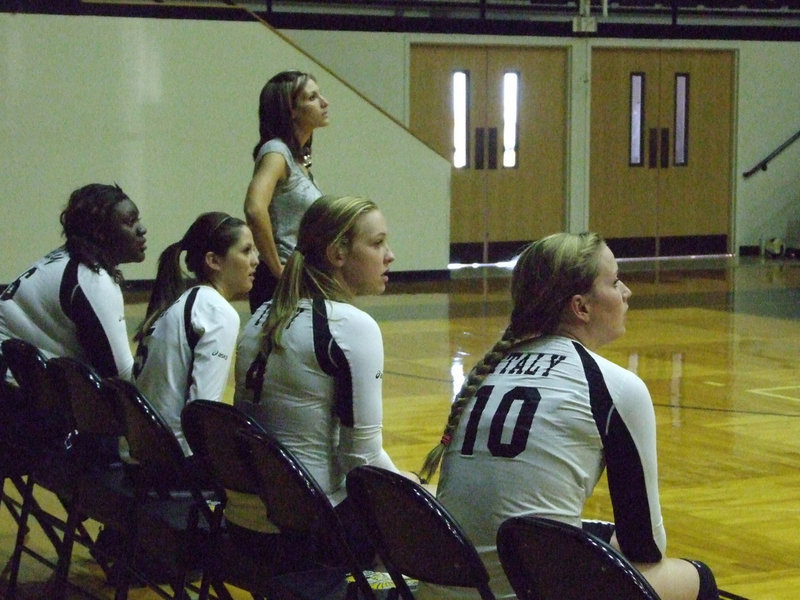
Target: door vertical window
{"x":681,"y":118}
{"x":510,"y":118}
{"x":636,"y":120}
{"x":460,"y":119}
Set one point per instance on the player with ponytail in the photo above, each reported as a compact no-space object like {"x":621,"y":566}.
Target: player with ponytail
{"x":188,"y":337}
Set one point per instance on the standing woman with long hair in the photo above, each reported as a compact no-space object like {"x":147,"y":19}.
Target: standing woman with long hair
{"x":290,"y":108}
{"x":309,"y":364}
{"x":188,"y":336}
{"x":542,"y":415}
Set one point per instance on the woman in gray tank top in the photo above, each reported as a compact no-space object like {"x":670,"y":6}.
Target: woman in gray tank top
{"x":291,"y":107}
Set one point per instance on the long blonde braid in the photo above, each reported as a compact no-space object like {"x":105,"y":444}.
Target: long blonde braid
{"x":548,"y":272}
{"x":472,"y":382}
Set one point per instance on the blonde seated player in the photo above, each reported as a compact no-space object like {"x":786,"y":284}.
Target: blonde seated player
{"x":309,"y":364}
{"x":542,"y":414}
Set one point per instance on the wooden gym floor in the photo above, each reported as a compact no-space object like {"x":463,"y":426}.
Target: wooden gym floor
{"x":716,"y":340}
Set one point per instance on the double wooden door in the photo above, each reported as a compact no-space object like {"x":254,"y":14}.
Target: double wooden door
{"x":507,"y":192}
{"x":661,"y":146}
{"x":661,"y":150}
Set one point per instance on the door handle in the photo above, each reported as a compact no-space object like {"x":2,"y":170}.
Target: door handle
{"x":493,"y":147}
{"x":652,"y":143}
{"x":665,"y":147}
{"x":479,"y":147}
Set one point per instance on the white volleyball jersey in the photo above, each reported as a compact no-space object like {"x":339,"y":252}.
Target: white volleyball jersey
{"x":187,"y":354}
{"x":321,"y":395}
{"x":65,"y":309}
{"x":535,"y":440}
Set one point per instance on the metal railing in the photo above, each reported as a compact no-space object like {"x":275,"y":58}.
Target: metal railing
{"x":762,"y":166}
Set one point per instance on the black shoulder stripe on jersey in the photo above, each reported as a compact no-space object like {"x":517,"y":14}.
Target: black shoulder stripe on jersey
{"x":333,"y":362}
{"x":88,"y":328}
{"x":191,"y":335}
{"x":254,"y":379}
{"x":625,"y":473}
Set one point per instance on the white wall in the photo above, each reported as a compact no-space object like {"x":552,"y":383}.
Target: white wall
{"x":768,"y":112}
{"x":168,"y":109}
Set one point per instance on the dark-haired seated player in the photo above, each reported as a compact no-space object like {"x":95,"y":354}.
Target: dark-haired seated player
{"x":69,"y":303}
{"x":188,"y":337}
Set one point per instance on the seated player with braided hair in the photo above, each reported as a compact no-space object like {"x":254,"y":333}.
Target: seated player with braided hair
{"x":69,"y":303}
{"x":541,"y":416}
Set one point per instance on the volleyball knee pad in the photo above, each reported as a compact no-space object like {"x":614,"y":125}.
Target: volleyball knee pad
{"x":708,"y":584}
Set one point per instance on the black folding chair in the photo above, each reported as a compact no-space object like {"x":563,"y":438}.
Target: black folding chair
{"x":211,"y":430}
{"x":414,"y":534}
{"x":13,"y":467}
{"x":294,"y":502}
{"x":101,"y":487}
{"x":43,"y":430}
{"x":173,"y":515}
{"x":244,"y":459}
{"x":549,"y":560}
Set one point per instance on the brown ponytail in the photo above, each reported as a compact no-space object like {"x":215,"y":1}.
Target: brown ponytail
{"x":211,"y":232}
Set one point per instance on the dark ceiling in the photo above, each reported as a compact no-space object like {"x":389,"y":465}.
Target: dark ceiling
{"x":709,"y":19}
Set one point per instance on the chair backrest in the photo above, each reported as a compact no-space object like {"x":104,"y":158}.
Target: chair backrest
{"x":160,"y":462}
{"x":7,"y":389}
{"x":294,"y":500}
{"x":23,"y":359}
{"x":211,"y":430}
{"x":97,"y":420}
{"x":9,"y":426}
{"x":413,"y":533}
{"x":242,"y":457}
{"x":50,"y":415}
{"x":82,"y":387}
{"x":549,"y":560}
